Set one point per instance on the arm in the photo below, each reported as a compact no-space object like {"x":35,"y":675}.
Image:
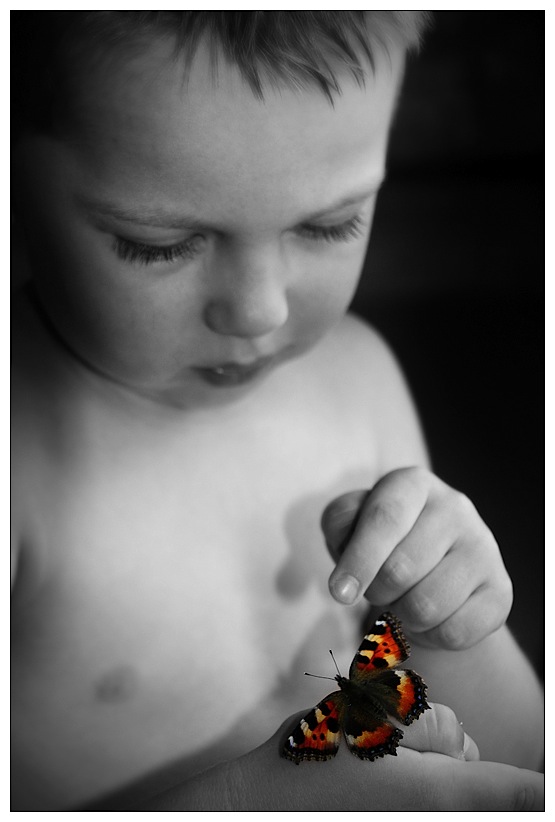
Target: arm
{"x":420,"y":548}
{"x":428,"y":774}
{"x":432,"y":561}
{"x":494,"y":691}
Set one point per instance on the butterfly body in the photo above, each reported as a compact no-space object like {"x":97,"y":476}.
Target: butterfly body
{"x":373,"y":691}
{"x":359,"y":699}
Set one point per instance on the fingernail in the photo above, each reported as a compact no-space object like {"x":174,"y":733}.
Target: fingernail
{"x":345,"y":589}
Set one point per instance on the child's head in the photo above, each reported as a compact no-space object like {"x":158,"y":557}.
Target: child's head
{"x":197,"y":188}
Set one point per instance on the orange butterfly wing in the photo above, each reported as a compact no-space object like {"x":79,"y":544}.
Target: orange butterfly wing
{"x":318,"y":734}
{"x":374,"y":689}
{"x":370,"y":739}
{"x":385,"y":646}
{"x":381,"y":650}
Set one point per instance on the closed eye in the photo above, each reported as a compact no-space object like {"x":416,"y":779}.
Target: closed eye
{"x":145,"y":254}
{"x":350,"y":229}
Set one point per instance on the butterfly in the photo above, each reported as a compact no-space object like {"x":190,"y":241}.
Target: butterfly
{"x":373,"y":691}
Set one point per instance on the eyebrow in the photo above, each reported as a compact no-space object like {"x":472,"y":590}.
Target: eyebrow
{"x":161,"y":218}
{"x":148,"y":216}
{"x":352,"y":199}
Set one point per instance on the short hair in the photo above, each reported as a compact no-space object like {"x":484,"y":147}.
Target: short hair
{"x":291,"y":48}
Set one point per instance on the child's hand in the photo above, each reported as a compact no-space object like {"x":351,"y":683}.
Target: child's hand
{"x":415,"y":544}
{"x":429,"y":773}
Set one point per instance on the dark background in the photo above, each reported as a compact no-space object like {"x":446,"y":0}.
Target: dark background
{"x":454,"y":277}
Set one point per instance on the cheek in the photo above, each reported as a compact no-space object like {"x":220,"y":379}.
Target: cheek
{"x":112,"y":315}
{"x":137,"y":320}
{"x":332,"y":285}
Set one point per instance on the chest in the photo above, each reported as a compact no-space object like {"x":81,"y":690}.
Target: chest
{"x":202,"y":553}
{"x":183,"y":593}
{"x":213,"y":523}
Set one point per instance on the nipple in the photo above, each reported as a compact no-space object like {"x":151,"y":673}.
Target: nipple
{"x":117,"y":685}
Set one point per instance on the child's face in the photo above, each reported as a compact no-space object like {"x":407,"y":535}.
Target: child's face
{"x":185,"y":236}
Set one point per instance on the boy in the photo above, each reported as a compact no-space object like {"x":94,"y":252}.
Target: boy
{"x":194,"y":191}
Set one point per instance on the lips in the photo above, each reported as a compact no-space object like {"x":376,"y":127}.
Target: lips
{"x":230,"y":374}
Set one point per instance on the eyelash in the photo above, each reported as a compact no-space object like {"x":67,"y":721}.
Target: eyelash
{"x":348,"y":230}
{"x":148,"y":254}
{"x":144,"y":254}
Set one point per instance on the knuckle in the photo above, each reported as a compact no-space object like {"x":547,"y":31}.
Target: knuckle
{"x":455,"y":635}
{"x":386,"y":513}
{"x":419,"y":475}
{"x":422,"y":611}
{"x":462,"y":504}
{"x":486,"y":545}
{"x":500,"y":598}
{"x":415,"y":477}
{"x":397,"y":573}
{"x":506,"y":596}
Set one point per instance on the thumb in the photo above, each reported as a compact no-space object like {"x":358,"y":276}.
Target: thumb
{"x":339,"y":520}
{"x":439,"y":730}
{"x":487,"y":786}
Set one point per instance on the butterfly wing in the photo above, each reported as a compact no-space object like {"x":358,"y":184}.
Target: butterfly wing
{"x":318,"y":734}
{"x":400,"y":693}
{"x":412,"y":696}
{"x":385,"y":646}
{"x":373,"y":690}
{"x":370,"y":738}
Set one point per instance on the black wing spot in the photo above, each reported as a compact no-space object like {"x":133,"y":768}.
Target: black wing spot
{"x":298,"y":735}
{"x":311,"y":720}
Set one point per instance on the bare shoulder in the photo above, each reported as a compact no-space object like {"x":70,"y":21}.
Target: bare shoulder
{"x":369,"y":373}
{"x":38,"y":397}
{"x":357,"y":340}
{"x":26,"y":379}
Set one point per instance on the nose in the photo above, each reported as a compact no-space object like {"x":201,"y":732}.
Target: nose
{"x":251,"y":298}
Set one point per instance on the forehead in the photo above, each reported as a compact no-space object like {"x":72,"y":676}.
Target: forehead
{"x":144,"y":124}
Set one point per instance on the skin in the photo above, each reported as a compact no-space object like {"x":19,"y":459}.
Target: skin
{"x":431,"y":757}
{"x":417,"y":544}
{"x":208,"y":363}
{"x":259,"y":280}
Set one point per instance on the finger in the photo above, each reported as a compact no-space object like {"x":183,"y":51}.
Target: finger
{"x":339,"y":520}
{"x":439,"y":730}
{"x":448,"y":527}
{"x":438,"y":596}
{"x":463,"y":574}
{"x":386,"y":517}
{"x":484,"y":612}
{"x":486,"y":786}
{"x":413,"y":558}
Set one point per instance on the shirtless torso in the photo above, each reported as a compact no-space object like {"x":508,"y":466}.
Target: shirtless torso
{"x":171,"y":577}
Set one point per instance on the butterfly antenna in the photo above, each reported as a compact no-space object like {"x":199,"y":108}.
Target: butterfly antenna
{"x":335,"y":663}
{"x":332,"y":678}
{"x":317,"y":676}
